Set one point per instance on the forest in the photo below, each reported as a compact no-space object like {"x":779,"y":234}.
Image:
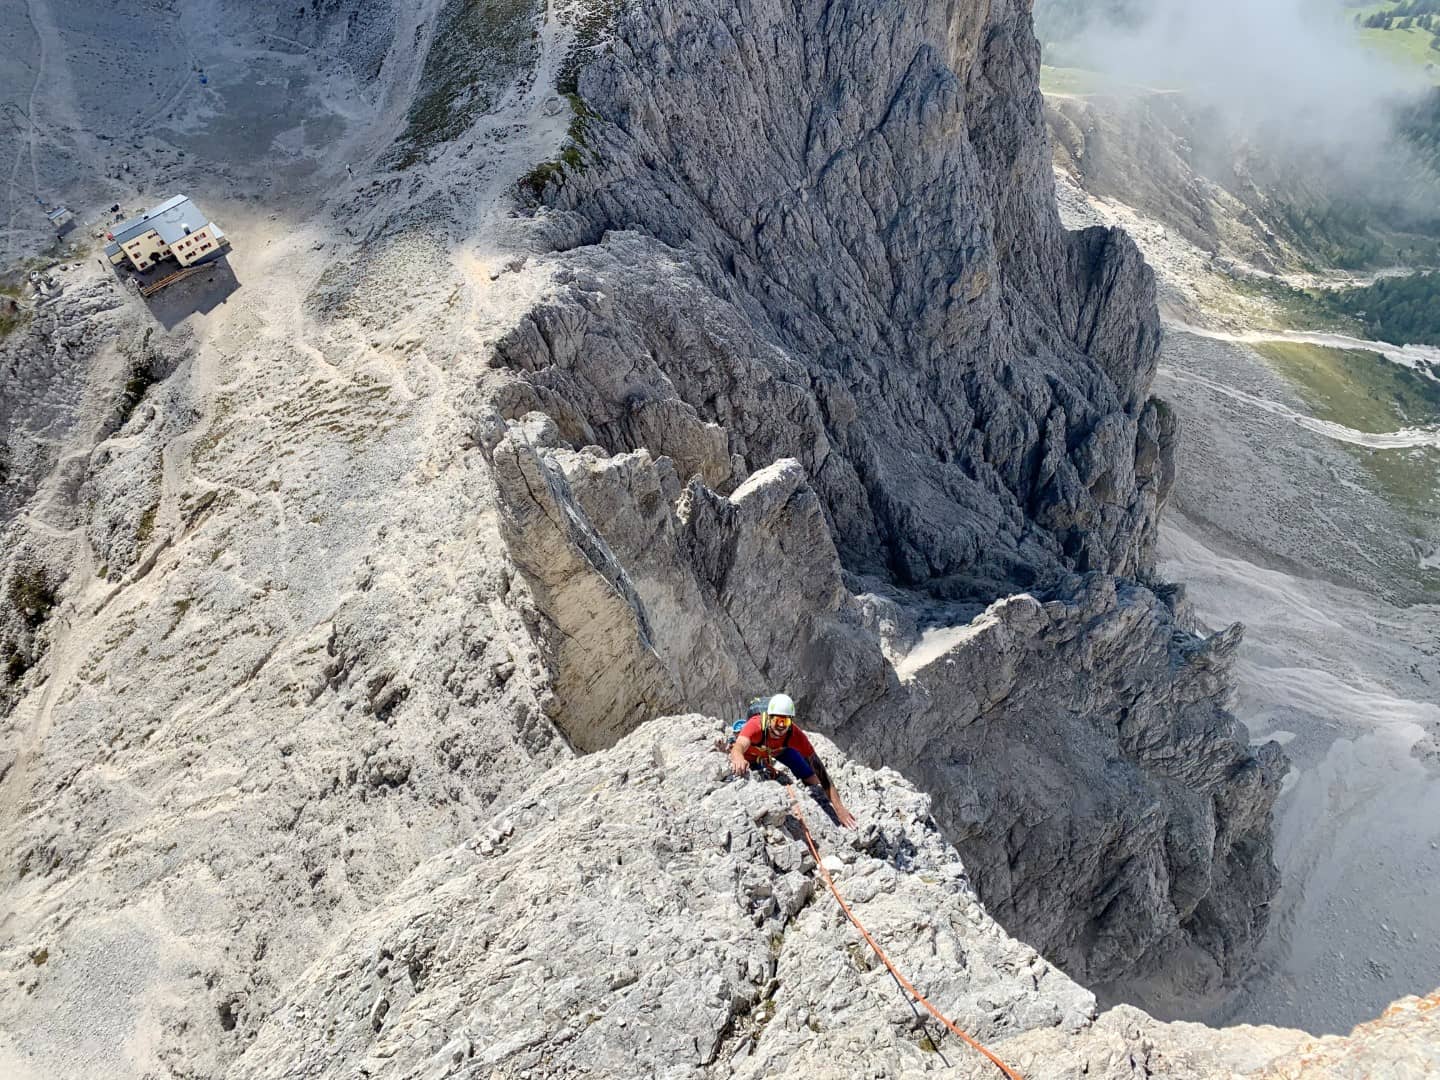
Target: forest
{"x":1417,"y":14}
{"x":1400,"y":310}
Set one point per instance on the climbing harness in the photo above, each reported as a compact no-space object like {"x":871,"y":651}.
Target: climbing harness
{"x":904,"y":982}
{"x":770,"y":754}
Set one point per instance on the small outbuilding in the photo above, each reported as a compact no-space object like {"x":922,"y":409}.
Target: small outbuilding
{"x":61,"y":220}
{"x":174,"y":229}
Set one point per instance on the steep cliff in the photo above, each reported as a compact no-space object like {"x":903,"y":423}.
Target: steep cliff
{"x":979,"y":375}
{"x":867,"y":277}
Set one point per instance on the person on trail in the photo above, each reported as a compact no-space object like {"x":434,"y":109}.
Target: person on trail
{"x":771,"y":736}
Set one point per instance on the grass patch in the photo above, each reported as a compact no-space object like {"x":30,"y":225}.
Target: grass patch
{"x":147,"y":525}
{"x":1409,"y":477}
{"x":1070,"y":81}
{"x":1356,"y":387}
{"x":15,"y":664}
{"x":538,"y":179}
{"x":1400,"y":310}
{"x":1406,"y":48}
{"x":1365,"y":392}
{"x":596,"y":24}
{"x":32,"y":595}
{"x":1079,"y":82}
{"x":1296,"y":309}
{"x":139,"y":381}
{"x":480,"y":48}
{"x":573,"y":157}
{"x":11,"y":319}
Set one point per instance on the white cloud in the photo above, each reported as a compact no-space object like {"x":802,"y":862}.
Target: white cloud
{"x":1293,"y":69}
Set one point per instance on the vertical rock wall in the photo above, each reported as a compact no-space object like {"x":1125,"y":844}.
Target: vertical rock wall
{"x":880,"y":206}
{"x":824,"y":234}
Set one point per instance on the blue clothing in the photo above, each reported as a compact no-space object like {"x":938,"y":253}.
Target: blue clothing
{"x":795,"y":761}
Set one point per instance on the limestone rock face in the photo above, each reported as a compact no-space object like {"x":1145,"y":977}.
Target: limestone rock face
{"x":648,"y":595}
{"x":46,"y":380}
{"x":894,"y":238}
{"x":1163,"y":844}
{"x":1403,"y":1044}
{"x":241,"y":714}
{"x":74,"y":372}
{"x":636,"y":914}
{"x":875,"y":289}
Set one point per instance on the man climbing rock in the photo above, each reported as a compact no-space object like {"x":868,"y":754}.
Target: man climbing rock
{"x":771,"y":737}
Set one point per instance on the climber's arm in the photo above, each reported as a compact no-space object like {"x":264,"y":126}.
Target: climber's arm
{"x":821,"y":779}
{"x":739,"y":764}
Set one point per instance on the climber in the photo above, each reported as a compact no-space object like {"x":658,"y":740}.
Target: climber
{"x":772,"y":736}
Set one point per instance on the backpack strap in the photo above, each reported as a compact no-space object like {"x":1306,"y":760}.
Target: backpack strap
{"x":764,"y":747}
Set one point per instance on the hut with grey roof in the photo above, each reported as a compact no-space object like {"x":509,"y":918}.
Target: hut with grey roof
{"x":175,"y":229}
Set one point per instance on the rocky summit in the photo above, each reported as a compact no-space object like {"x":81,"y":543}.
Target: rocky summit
{"x":373,"y":601}
{"x":641,"y":913}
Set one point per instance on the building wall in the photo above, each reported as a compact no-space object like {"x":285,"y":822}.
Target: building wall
{"x":196,"y":246}
{"x":143,"y":250}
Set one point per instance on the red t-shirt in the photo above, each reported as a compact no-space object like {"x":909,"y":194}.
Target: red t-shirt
{"x":775,"y":742}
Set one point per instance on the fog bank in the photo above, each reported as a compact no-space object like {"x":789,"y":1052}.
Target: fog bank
{"x":1291,"y":69}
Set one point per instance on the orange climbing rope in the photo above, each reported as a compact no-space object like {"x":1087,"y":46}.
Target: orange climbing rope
{"x":909,"y":987}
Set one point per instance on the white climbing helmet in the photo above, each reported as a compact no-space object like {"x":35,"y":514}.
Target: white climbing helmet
{"x":781,"y":705}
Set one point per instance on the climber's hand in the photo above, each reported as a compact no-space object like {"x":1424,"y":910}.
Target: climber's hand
{"x":842,"y":815}
{"x":739,"y":763}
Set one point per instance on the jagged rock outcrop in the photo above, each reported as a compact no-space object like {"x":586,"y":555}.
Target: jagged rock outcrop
{"x":633,"y":914}
{"x":879,"y":291}
{"x":648,"y":594}
{"x":1165,"y":854}
{"x":1164,"y":845}
{"x":982,"y":373}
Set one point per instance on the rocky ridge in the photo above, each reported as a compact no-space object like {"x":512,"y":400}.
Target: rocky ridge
{"x":635,"y":914}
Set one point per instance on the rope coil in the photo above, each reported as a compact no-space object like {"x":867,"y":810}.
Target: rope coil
{"x":909,"y":987}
